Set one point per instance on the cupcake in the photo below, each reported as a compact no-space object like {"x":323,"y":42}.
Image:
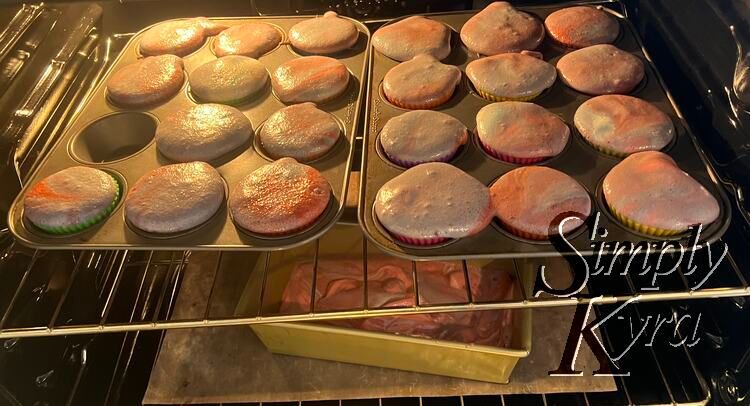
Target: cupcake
{"x":324,"y":35}
{"x":521,"y":133}
{"x":146,"y":81}
{"x":316,"y":79}
{"x":71,"y":200}
{"x":620,"y":125}
{"x":280,"y":198}
{"x":535,"y":202}
{"x":601,"y":69}
{"x":422,"y":136}
{"x":421,"y":83}
{"x":407,"y":38}
{"x":650,"y":194}
{"x":175,"y":198}
{"x":202,"y":132}
{"x":251,"y":39}
{"x":300,"y":131}
{"x":499,"y":28}
{"x":581,"y":27}
{"x":510,"y":77}
{"x":432,"y":203}
{"x":179,"y":37}
{"x":229,"y":79}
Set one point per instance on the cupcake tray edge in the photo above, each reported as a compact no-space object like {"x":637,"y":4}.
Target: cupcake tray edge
{"x":134,"y":135}
{"x":579,"y":160}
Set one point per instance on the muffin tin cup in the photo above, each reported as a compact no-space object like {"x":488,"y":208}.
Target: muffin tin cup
{"x":579,"y":159}
{"x":119,"y":138}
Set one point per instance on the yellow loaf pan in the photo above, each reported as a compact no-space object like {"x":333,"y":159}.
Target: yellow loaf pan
{"x":315,"y":340}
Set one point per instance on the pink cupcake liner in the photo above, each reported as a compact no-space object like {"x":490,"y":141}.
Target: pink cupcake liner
{"x":409,"y":164}
{"x":509,"y":158}
{"x":424,"y":242}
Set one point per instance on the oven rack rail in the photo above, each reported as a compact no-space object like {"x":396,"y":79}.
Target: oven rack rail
{"x":62,"y":277}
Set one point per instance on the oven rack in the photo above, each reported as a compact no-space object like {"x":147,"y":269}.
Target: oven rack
{"x":62,"y":277}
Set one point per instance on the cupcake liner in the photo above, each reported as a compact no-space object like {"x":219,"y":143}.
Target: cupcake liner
{"x":606,"y":151}
{"x":642,"y":228}
{"x":523,"y":234}
{"x":508,"y":158}
{"x":491,"y":97}
{"x":421,"y":106}
{"x":423,"y":242}
{"x":86,"y":224}
{"x":409,"y":164}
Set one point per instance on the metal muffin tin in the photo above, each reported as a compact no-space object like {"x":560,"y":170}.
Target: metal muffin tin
{"x":120,"y":141}
{"x":578,"y":159}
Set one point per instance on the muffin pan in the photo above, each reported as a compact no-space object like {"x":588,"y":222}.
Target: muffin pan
{"x":106,"y":136}
{"x":579,"y":160}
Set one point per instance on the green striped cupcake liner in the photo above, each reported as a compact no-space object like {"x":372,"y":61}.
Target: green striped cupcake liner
{"x":88,"y":223}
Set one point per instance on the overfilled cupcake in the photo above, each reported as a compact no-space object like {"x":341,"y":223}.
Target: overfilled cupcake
{"x":146,"y":81}
{"x":620,"y":125}
{"x":175,"y":198}
{"x":601,"y":69}
{"x":421,"y":83}
{"x":327,"y":34}
{"x":280,"y":198}
{"x":432,"y":203}
{"x":178,"y":37}
{"x":300,"y":131}
{"x":521,"y":133}
{"x":251,"y":39}
{"x":316,"y":79}
{"x":422,"y":136}
{"x":500,"y":28}
{"x":228,"y":79}
{"x":71,"y":200}
{"x":407,"y":38}
{"x":582,"y":26}
{"x":202,"y":132}
{"x":649,"y":193}
{"x":514,"y":77}
{"x":535,"y":202}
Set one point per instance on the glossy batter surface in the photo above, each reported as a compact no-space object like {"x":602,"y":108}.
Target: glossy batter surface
{"x":423,"y":82}
{"x":601,"y":69}
{"x":228,"y":79}
{"x":310,"y":79}
{"x":70,"y":197}
{"x":422,"y":136}
{"x":251,"y":39}
{"x":175,"y":198}
{"x":407,"y":38}
{"x":500,"y":28}
{"x":202,"y":132}
{"x":433,"y":200}
{"x":324,"y":35}
{"x":146,"y":81}
{"x":511,"y":75}
{"x":582,"y":26}
{"x":179,"y":37}
{"x":301,"y":131}
{"x":649,"y":188}
{"x":280,"y":198}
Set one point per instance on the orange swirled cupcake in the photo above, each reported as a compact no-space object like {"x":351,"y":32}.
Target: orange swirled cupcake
{"x":432,"y":203}
{"x":407,"y":38}
{"x":514,"y":77}
{"x":251,"y":39}
{"x":582,"y":26}
{"x":500,"y":28}
{"x":421,"y":83}
{"x":316,"y":79}
{"x":146,"y":81}
{"x":300,"y":131}
{"x":649,"y":193}
{"x":530,"y":202}
{"x":179,"y":37}
{"x":601,"y":69}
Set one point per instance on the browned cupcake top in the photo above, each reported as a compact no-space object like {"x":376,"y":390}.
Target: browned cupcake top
{"x":582,"y":26}
{"x":324,"y":35}
{"x":146,"y":81}
{"x":407,"y":38}
{"x":178,"y":37}
{"x":500,"y":28}
{"x":649,"y":188}
{"x":601,"y":69}
{"x":314,"y":79}
{"x":251,"y":39}
{"x":535,"y":199}
{"x":301,"y":131}
{"x":422,"y":80}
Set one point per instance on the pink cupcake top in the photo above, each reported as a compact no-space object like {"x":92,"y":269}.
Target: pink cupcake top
{"x":179,"y":37}
{"x":623,"y":124}
{"x":146,"y":81}
{"x":521,"y":130}
{"x":533,"y":198}
{"x":601,"y":69}
{"x":500,"y":28}
{"x":422,"y":80}
{"x":251,"y":39}
{"x":422,"y":136}
{"x":511,"y":75}
{"x":582,"y":26}
{"x":314,"y":79}
{"x":324,"y":35}
{"x":649,"y":188}
{"x":407,"y":38}
{"x":433,"y":200}
{"x":301,"y":131}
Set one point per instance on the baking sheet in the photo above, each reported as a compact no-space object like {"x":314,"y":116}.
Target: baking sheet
{"x":230,"y":364}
